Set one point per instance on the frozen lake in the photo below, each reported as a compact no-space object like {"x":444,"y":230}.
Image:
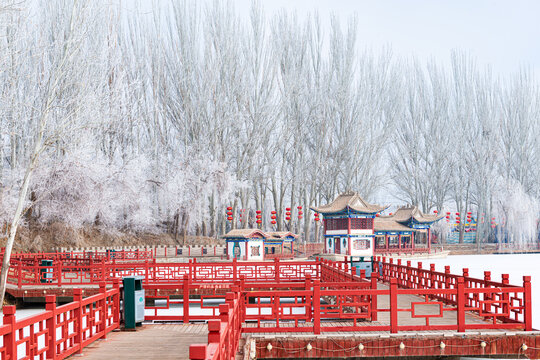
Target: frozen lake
{"x":516,"y":265}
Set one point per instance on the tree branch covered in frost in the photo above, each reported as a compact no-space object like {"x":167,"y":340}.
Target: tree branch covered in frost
{"x":157,"y":121}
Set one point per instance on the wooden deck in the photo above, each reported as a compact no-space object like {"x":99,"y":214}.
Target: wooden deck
{"x":156,"y":341}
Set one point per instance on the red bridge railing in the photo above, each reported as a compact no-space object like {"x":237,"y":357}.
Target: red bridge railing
{"x":61,"y":331}
{"x":292,"y":296}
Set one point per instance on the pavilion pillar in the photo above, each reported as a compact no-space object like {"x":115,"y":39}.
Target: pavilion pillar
{"x":399,"y":241}
{"x":349,"y":247}
{"x":386,"y":241}
{"x":429,"y":239}
{"x":412,"y":240}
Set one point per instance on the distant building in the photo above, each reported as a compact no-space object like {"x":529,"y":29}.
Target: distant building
{"x":353,"y":227}
{"x":256,"y":245}
{"x":407,"y":230}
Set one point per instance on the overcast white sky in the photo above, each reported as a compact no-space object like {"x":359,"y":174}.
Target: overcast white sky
{"x":504,"y":34}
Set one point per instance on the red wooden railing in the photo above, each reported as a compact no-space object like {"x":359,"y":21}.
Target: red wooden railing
{"x":353,"y":305}
{"x":223,"y":334}
{"x":60,"y":274}
{"x":137,"y":254}
{"x":285,"y":297}
{"x":61,"y":331}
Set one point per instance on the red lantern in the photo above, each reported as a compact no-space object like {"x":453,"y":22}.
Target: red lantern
{"x":448,"y":213}
{"x":258,"y":216}
{"x":457,"y":221}
{"x":259,"y":221}
{"x":458,"y":218}
{"x":435,"y":211}
{"x":299,"y":208}
{"x":273,"y":212}
{"x":390,"y":214}
{"x":376,"y":215}
{"x":273,"y":222}
{"x":229,"y":218}
{"x":287,"y":218}
{"x":288,"y":209}
{"x":229,"y":213}
{"x":258,"y":211}
{"x":288,"y":213}
{"x":273,"y":217}
{"x":300,"y":213}
{"x":299,"y":216}
{"x":317,"y":219}
{"x":468,"y":212}
{"x":457,"y":213}
{"x":229,"y":208}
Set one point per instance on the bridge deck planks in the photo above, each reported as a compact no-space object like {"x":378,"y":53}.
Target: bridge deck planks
{"x":156,"y":341}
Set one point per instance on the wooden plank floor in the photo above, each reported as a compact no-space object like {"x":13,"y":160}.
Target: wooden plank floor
{"x":153,"y":341}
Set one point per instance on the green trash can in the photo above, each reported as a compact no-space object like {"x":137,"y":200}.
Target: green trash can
{"x":133,"y":301}
{"x":362,"y":263}
{"x":46,"y":271}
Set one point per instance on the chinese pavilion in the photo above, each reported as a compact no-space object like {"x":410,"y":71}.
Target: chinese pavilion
{"x":353,"y":227}
{"x":349,"y":225}
{"x":256,"y":245}
{"x":408,"y":230}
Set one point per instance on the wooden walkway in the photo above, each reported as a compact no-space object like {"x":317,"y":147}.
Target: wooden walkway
{"x":157,"y":341}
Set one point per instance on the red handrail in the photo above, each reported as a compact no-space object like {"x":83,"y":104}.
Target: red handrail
{"x":100,"y":313}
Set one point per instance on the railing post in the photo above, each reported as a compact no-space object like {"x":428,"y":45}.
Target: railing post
{"x":199,"y":351}
{"x":527,"y":303}
{"x":505,"y":280}
{"x":276,"y":269}
{"x":461,"y":304}
{"x":487,"y":278}
{"x":59,"y":273}
{"x":50,"y":305}
{"x":19,"y":274}
{"x":10,"y":338}
{"x":235,"y":267}
{"x":77,"y":298}
{"x":104,"y":309}
{"x":432,"y":276}
{"x":374,"y":276}
{"x":224,"y":318}
{"x":466,"y":275}
{"x":409,"y":274}
{"x":185,"y":300}
{"x":214,"y":328}
{"x":316,"y":299}
{"x":308,"y":300}
{"x":393,"y":306}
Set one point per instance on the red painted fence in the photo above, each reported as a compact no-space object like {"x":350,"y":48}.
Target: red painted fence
{"x":60,"y":331}
{"x":356,"y":308}
{"x":307,"y":296}
{"x":60,"y":274}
